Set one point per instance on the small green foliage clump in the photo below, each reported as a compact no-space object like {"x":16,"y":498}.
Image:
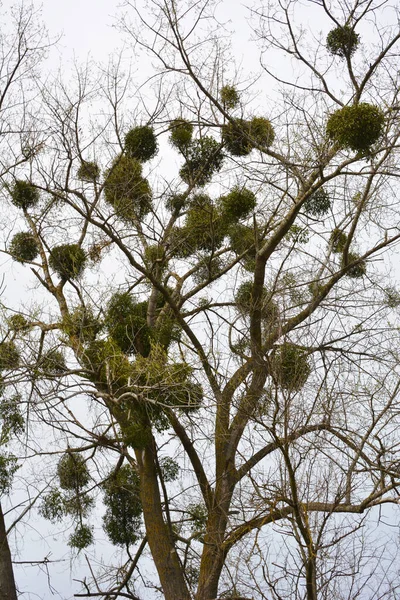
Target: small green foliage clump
{"x":241,"y":137}
{"x":52,"y":506}
{"x":356,"y":127}
{"x":246,"y":304}
{"x":72,"y":472}
{"x":122,"y":519}
{"x":106,"y":363}
{"x":141,"y":143}
{"x":242,"y":240}
{"x":290,"y":367}
{"x":181,"y":134}
{"x":55,"y":505}
{"x":154,"y":257}
{"x":24,"y":247}
{"x":198,"y":517}
{"x":392,"y":297}
{"x":318,"y":203}
{"x":82,"y":323}
{"x":176,"y":202}
{"x":238,"y":204}
{"x":342,"y":41}
{"x":236,"y":137}
{"x":127,"y":325}
{"x":53,"y":362}
{"x":208,"y":268}
{"x":204,"y":158}
{"x":126,"y":190}
{"x":204,"y":227}
{"x":88,"y":171}
{"x":229,"y":97}
{"x":24,"y":195}
{"x":298,"y":234}
{"x":68,"y":261}
{"x":261,"y":131}
{"x":8,"y":468}
{"x":9,"y":356}
{"x":18,"y":323}
{"x":12,"y":420}
{"x":169,"y":469}
{"x":359,"y":269}
{"x":81,"y":538}
{"x":338,"y":240}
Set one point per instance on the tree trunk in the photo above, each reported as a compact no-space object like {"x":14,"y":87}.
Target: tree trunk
{"x":7,"y":583}
{"x":161,"y":545}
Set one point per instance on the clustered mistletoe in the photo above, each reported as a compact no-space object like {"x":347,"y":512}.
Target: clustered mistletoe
{"x":212,"y":339}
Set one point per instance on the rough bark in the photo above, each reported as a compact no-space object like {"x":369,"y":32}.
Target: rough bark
{"x":161,"y":545}
{"x":8,"y":590}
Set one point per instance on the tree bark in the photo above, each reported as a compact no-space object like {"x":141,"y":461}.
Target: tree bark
{"x":8,"y":590}
{"x":161,"y":545}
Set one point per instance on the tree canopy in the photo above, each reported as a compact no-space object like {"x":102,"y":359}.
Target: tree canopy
{"x":210,"y":339}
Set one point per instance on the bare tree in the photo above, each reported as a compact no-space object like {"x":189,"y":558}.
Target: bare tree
{"x":217,"y":345}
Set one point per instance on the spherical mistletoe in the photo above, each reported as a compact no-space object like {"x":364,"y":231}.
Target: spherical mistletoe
{"x":338,"y":240}
{"x":126,"y":190}
{"x":81,"y":538}
{"x":236,"y":137}
{"x":88,"y":171}
{"x":342,"y":41}
{"x":53,"y":362}
{"x":72,"y":472}
{"x":359,"y":269}
{"x":356,"y":127}
{"x":246,"y":303}
{"x":318,"y":203}
{"x":124,"y":508}
{"x":229,"y":97}
{"x":24,"y":195}
{"x":204,"y":159}
{"x":141,"y":143}
{"x":9,"y":356}
{"x":24,"y":247}
{"x":181,"y":133}
{"x":242,"y":240}
{"x":127,"y":325}
{"x":106,"y":363}
{"x":204,"y":226}
{"x":261,"y":131}
{"x":238,"y":204}
{"x":68,"y":261}
{"x":82,"y":324}
{"x":290,"y":367}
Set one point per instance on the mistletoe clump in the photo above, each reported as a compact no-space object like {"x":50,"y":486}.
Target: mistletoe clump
{"x":18,"y":323}
{"x":106,"y":363}
{"x":82,"y":323}
{"x":126,"y":190}
{"x":181,"y":134}
{"x":204,"y":228}
{"x":356,"y":127}
{"x":241,"y":137}
{"x":229,"y":97}
{"x":24,"y":247}
{"x":72,"y":472}
{"x":318,"y":203}
{"x":122,"y":519}
{"x":141,"y":143}
{"x":88,"y":171}
{"x":53,"y":362}
{"x":338,"y":240}
{"x":127,"y":325}
{"x":242,"y":241}
{"x":68,"y":261}
{"x":246,"y":304}
{"x":238,"y":204}
{"x":24,"y":195}
{"x":9,"y":355}
{"x":81,"y":538}
{"x":176,"y":202}
{"x":154,"y":257}
{"x":204,"y":158}
{"x":290,"y":367}
{"x":342,"y":41}
{"x":357,"y":270}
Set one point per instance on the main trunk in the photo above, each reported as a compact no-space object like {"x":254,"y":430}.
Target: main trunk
{"x":160,"y":542}
{"x":7,"y":582}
